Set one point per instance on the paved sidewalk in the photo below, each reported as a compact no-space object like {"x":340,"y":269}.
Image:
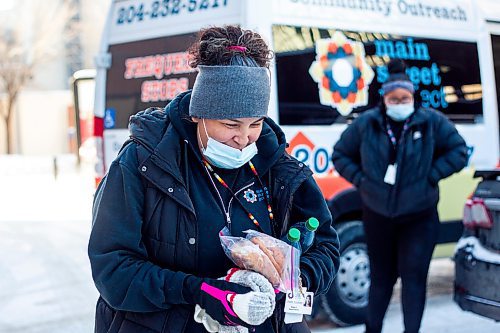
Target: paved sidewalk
{"x":442,"y":315}
{"x":45,"y":280}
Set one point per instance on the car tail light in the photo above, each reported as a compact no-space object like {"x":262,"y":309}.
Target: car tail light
{"x":476,"y":214}
{"x":467,"y":220}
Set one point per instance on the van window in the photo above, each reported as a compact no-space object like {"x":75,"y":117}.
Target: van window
{"x":445,"y":73}
{"x":147,"y":73}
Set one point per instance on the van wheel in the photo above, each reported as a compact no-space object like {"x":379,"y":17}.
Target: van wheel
{"x":345,"y":303}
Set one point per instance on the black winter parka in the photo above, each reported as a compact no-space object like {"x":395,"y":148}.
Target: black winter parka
{"x":430,"y":150}
{"x":145,"y":225}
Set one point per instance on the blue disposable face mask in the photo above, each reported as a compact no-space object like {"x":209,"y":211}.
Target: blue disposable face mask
{"x":226,"y":157}
{"x":400,"y":112}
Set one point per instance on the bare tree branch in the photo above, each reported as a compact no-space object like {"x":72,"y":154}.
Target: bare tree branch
{"x":31,"y":40}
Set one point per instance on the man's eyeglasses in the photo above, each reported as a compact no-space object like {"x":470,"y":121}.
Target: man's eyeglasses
{"x":395,"y":101}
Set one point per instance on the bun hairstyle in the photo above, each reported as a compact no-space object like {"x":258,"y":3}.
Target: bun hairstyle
{"x":229,"y":45}
{"x":397,"y":70}
{"x":397,"y":77}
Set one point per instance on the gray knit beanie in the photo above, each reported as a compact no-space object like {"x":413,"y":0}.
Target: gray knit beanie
{"x":230,"y":92}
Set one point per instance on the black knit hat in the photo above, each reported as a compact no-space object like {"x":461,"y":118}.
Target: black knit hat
{"x":397,"y":77}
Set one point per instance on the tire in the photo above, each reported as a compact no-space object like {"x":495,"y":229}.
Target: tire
{"x":346,"y":301}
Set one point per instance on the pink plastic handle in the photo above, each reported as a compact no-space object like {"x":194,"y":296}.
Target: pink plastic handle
{"x":221,"y":295}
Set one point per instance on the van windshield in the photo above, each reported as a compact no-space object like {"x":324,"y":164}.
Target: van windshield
{"x":445,"y":73}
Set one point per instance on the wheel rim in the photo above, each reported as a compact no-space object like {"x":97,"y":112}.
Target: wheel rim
{"x":353,"y":278}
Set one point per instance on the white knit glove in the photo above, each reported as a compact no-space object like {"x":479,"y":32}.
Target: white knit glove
{"x":253,"y":280}
{"x":253,"y":307}
{"x":258,"y":305}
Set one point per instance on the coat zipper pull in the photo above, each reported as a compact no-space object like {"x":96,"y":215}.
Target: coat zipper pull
{"x":228,"y":222}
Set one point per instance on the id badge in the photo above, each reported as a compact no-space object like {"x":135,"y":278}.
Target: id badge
{"x":293,"y":307}
{"x":390,"y":174}
{"x":299,"y":303}
{"x":294,"y":301}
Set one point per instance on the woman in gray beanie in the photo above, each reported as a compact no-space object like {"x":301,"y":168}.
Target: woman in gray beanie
{"x":395,"y":155}
{"x":210,"y":159}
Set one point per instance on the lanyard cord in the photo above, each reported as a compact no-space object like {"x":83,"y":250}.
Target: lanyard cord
{"x":224,"y":184}
{"x":226,"y":212}
{"x":265,"y":189}
{"x":395,"y":142}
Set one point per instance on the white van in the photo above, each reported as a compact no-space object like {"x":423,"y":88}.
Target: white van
{"x":452,"y":51}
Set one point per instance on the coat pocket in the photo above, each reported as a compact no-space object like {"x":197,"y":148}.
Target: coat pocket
{"x":375,"y":195}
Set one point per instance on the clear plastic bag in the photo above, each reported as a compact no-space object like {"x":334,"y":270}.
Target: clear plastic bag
{"x":271,"y":257}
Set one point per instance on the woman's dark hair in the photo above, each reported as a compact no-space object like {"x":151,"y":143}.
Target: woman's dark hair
{"x":212,"y":48}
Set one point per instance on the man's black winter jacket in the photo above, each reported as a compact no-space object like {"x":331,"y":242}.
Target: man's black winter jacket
{"x":430,"y":150}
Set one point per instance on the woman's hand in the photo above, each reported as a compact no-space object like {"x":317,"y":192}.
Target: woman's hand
{"x":215,"y":296}
{"x":250,"y":279}
{"x":253,"y":307}
{"x":229,"y":303}
{"x":258,"y":283}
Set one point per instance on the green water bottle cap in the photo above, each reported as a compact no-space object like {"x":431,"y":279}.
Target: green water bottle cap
{"x":312,"y":224}
{"x":293,"y":235}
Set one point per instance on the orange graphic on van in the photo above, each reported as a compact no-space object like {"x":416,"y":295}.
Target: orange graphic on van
{"x":299,"y":139}
{"x":318,"y":159}
{"x":342,"y":74}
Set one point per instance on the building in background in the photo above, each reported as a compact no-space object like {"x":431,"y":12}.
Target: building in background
{"x":52,"y":39}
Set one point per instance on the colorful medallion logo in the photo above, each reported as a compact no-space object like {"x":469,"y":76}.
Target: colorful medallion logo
{"x":250,"y":196}
{"x":342,"y":74}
